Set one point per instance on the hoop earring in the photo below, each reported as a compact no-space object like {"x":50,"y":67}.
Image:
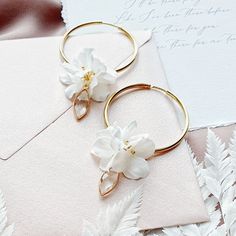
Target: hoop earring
{"x":121,"y":153}
{"x":124,"y":31}
{"x":88,"y":87}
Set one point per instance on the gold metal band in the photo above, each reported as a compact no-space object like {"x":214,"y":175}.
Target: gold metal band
{"x":134,"y":87}
{"x":126,"y":33}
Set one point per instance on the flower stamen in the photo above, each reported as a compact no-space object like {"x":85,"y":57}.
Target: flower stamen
{"x":129,"y":148}
{"x":88,"y":78}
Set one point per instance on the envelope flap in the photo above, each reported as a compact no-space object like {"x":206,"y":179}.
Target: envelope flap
{"x":142,"y":37}
{"x":31,"y":96}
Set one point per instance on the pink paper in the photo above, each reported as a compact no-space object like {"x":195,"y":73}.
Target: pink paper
{"x":51,"y":184}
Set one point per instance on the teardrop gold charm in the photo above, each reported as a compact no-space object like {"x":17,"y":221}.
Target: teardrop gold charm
{"x":81,"y":104}
{"x":108,"y":182}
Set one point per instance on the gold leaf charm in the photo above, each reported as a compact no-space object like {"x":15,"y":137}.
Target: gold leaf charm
{"x":108,"y":182}
{"x":81,"y":104}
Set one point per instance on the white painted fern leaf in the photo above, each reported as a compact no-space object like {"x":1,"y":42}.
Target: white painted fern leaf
{"x":4,"y":229}
{"x":211,"y":203}
{"x":119,"y":219}
{"x":205,"y":229}
{"x":216,"y":165}
{"x":221,"y":162}
{"x":229,"y":196}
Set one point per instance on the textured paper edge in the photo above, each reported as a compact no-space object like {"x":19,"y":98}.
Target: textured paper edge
{"x":64,"y":12}
{"x":213,"y":126}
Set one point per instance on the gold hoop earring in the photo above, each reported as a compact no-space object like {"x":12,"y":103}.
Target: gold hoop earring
{"x":124,"y":31}
{"x":83,"y":89}
{"x":158,"y":89}
{"x":129,"y":147}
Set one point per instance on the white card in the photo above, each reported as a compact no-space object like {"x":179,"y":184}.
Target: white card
{"x":197,"y":42}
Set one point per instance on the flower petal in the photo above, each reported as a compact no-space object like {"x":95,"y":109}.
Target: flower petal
{"x":69,"y":68}
{"x":84,"y":59}
{"x":112,"y":72}
{"x":104,"y":164}
{"x":89,"y":229}
{"x":103,"y":148}
{"x":144,"y":148}
{"x":106,"y":78}
{"x":128,"y":130}
{"x":73,"y":89}
{"x":93,"y":84}
{"x":121,"y":161}
{"x":105,"y":132}
{"x":100,"y":92}
{"x":65,"y":78}
{"x":70,"y":74}
{"x":110,"y":131}
{"x":138,"y":168}
{"x":97,"y":66}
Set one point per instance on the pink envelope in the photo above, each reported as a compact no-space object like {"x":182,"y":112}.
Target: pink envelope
{"x":48,"y":177}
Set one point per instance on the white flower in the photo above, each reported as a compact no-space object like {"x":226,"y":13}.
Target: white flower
{"x":87,"y":72}
{"x":121,"y":152}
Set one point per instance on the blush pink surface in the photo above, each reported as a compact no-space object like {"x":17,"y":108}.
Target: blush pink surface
{"x":50,"y":180}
